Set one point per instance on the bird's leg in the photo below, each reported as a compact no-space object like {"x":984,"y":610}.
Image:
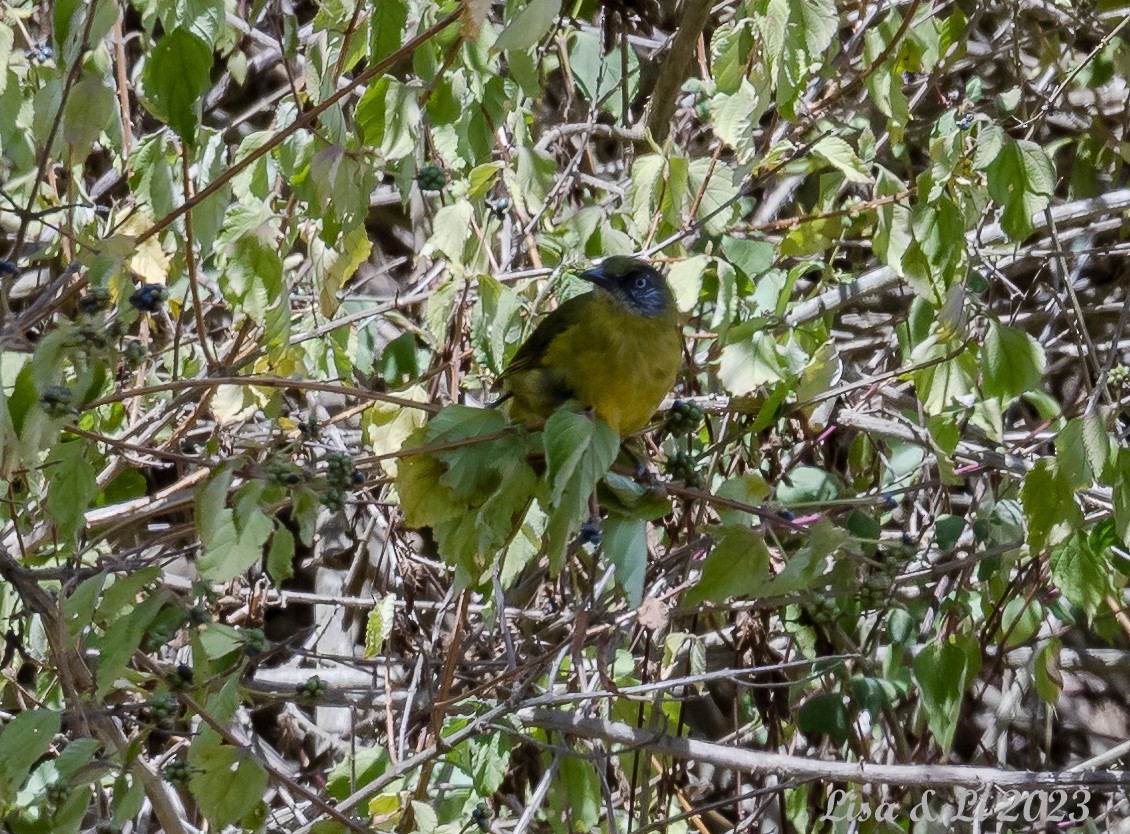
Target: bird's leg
{"x":643,"y":473}
{"x":590,"y":530}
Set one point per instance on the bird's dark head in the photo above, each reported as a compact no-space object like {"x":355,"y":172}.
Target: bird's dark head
{"x":637,"y":284}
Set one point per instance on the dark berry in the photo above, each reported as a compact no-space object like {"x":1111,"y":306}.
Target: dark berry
{"x":134,"y":353}
{"x":94,"y":300}
{"x":590,"y":532}
{"x":431,"y":178}
{"x":148,"y":298}
{"x":57,"y":400}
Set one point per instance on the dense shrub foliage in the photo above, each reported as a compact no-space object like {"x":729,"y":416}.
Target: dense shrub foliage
{"x":268,"y":562}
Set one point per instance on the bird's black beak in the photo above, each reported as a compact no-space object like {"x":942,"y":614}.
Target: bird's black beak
{"x":598,"y":276}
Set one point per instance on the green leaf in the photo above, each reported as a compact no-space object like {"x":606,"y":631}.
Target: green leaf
{"x":175,"y":77}
{"x":872,"y":694}
{"x":451,"y":230}
{"x":717,"y":207}
{"x":735,"y":117}
{"x":386,"y":28}
{"x":827,"y":715}
{"x":23,"y":740}
{"x":942,"y":672}
{"x":378,"y":627}
{"x":948,"y":529}
{"x":80,"y":604}
{"x":751,"y":489}
{"x":1081,"y":572}
{"x":839,"y":154}
{"x":752,"y":258}
{"x":750,"y":359}
{"x":1021,"y":180}
{"x":90,"y":109}
{"x":1049,"y":505}
{"x":72,"y":486}
{"x":388,"y":117}
{"x":808,"y":567}
{"x":529,"y":25}
{"x":579,"y":792}
{"x":737,"y":566}
{"x":1012,"y":362}
{"x":1048,"y":680}
{"x":334,"y":265}
{"x":211,"y":499}
{"x":1020,"y":622}
{"x":579,"y":449}
{"x":232,"y":551}
{"x":625,"y":545}
{"x":280,"y":557}
{"x":227,"y":782}
{"x":685,"y":279}
{"x":123,"y":637}
{"x":808,"y":485}
{"x":490,"y":759}
{"x":357,"y":771}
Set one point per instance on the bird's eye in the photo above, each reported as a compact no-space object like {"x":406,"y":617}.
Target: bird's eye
{"x":640,"y":283}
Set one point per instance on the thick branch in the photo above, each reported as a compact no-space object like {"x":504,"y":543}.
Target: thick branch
{"x":802,"y":768}
{"x":674,"y":70}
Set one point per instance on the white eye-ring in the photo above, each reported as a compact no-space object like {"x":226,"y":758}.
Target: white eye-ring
{"x":641,"y":283}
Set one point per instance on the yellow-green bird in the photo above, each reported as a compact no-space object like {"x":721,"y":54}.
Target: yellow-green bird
{"x":616,"y":350}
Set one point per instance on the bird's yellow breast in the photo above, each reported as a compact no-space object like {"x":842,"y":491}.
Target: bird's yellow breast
{"x":618,"y":363}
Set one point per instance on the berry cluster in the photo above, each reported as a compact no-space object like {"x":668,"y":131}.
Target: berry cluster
{"x":681,"y":467}
{"x":163,"y":707}
{"x":682,"y":418}
{"x":431,"y":178}
{"x":177,"y":772}
{"x":314,"y":688}
{"x":341,"y":474}
{"x":148,"y":298}
{"x":58,"y":401}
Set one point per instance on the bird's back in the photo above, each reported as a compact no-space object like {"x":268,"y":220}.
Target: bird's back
{"x":590,"y":350}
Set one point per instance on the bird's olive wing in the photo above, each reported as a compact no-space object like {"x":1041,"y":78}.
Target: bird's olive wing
{"x":531,"y":354}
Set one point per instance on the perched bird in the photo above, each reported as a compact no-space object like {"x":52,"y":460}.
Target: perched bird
{"x":616,"y":350}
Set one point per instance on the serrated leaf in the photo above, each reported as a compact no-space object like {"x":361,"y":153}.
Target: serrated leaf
{"x":749,"y":360}
{"x":737,"y":566}
{"x":451,"y":230}
{"x":1021,"y":180}
{"x":827,"y":715}
{"x":1081,"y":572}
{"x":808,"y":485}
{"x":123,"y":637}
{"x":175,"y":77}
{"x":280,"y":557}
{"x":72,"y":486}
{"x":232,"y":551}
{"x":334,"y":265}
{"x":1012,"y":362}
{"x":942,"y":672}
{"x":25,"y":738}
{"x":386,"y":27}
{"x":578,"y":451}
{"x":624,"y":542}
{"x":379,"y":625}
{"x":490,"y":760}
{"x":90,"y":109}
{"x":227,"y":782}
{"x":839,"y":154}
{"x":529,"y":25}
